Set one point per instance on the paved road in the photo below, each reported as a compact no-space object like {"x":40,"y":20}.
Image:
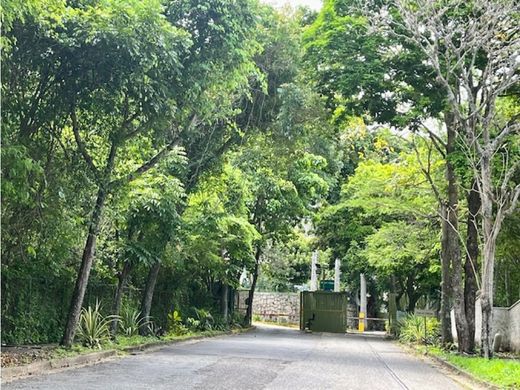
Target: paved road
{"x":267,"y":358}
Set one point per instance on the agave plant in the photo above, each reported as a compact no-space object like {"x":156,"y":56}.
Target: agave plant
{"x":131,"y":322}
{"x":94,"y":328}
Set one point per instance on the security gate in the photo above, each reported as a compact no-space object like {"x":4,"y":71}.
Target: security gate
{"x":323,"y":311}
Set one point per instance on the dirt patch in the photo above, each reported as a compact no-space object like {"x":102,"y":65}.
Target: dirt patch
{"x":21,"y":355}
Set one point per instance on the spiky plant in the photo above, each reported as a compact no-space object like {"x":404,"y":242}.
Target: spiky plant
{"x":131,"y":322}
{"x":94,"y":328}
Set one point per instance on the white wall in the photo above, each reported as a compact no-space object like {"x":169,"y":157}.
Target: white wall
{"x":506,"y":321}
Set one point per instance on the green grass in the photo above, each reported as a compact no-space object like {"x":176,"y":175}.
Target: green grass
{"x":123,"y":342}
{"x":74,"y":350}
{"x":504,"y":373}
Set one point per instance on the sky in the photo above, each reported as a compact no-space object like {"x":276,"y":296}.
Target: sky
{"x":313,"y":4}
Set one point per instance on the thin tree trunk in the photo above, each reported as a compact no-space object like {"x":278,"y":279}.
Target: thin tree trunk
{"x":118,"y":298}
{"x":446,"y":336}
{"x":84,"y":271}
{"x":224,"y":300}
{"x":413,"y":297}
{"x":146,"y":304}
{"x":471,"y":265}
{"x":249,"y":312}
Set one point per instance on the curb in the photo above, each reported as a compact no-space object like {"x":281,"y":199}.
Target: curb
{"x":9,"y":374}
{"x":463,"y":372}
{"x":41,"y":367}
{"x":162,"y":344}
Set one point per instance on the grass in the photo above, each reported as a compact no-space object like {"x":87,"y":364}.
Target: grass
{"x":504,"y":373}
{"x":124,"y":342}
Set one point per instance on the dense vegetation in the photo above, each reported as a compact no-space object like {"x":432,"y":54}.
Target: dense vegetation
{"x":153,"y":151}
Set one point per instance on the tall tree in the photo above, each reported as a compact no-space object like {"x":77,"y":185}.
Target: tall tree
{"x":473,"y":48}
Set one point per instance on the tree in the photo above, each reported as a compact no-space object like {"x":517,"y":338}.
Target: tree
{"x":473,"y":48}
{"x":384,"y":78}
{"x":105,"y":94}
{"x":391,"y":216}
{"x":219,"y":237}
{"x":405,"y":252}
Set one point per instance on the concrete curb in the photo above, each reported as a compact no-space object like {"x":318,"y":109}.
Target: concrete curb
{"x":9,"y":374}
{"x":463,"y":372}
{"x":42,"y":367}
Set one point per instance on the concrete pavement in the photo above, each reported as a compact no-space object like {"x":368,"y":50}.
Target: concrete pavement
{"x":268,"y":358}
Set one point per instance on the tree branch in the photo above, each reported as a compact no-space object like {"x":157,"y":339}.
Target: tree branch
{"x":81,"y":146}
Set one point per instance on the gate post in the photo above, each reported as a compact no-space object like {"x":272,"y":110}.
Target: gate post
{"x":337,"y":274}
{"x":314,"y":277}
{"x":363,"y":301}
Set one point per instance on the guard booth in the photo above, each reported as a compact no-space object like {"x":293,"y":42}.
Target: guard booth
{"x":323,"y":311}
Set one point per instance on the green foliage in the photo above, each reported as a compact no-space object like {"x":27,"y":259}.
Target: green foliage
{"x":131,"y":321}
{"x":94,"y":328}
{"x":203,"y":320}
{"x":175,"y":324}
{"x":217,"y":129}
{"x":363,"y":71}
{"x":418,"y":330}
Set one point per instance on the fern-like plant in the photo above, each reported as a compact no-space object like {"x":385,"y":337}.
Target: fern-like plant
{"x":94,"y":328}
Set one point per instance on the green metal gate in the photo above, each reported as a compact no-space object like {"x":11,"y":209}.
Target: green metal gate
{"x":323,"y":311}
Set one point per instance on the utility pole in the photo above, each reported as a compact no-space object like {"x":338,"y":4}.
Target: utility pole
{"x":314,"y":277}
{"x":337,"y":274}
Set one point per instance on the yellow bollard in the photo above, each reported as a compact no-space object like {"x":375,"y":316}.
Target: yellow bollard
{"x":361,"y":326}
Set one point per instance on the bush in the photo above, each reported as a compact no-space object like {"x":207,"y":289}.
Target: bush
{"x":412,"y":330}
{"x":94,"y":328}
{"x":175,"y":325}
{"x":131,"y":322}
{"x":204,"y":320}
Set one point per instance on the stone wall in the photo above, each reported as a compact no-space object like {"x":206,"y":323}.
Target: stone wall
{"x":506,"y":321}
{"x":278,"y":307}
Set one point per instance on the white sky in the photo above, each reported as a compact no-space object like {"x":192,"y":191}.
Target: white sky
{"x":313,"y":4}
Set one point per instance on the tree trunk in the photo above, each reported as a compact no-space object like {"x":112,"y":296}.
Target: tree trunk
{"x":446,"y":336}
{"x":224,"y":301}
{"x":413,"y":297}
{"x":453,"y":240}
{"x":146,"y":304}
{"x":471,"y":265}
{"x":84,"y":271}
{"x":249,"y":312}
{"x":490,"y":229}
{"x":118,"y":298}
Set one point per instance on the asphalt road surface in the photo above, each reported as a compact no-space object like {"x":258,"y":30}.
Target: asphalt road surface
{"x":267,"y":358}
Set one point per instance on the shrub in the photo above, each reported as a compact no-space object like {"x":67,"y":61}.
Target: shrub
{"x":205,"y":319}
{"x":175,"y":325}
{"x":236,"y":320}
{"x":152,"y":329}
{"x":412,"y":330}
{"x":94,"y":328}
{"x":131,"y":322}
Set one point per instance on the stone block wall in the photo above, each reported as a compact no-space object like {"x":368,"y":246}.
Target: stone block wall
{"x":278,"y":307}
